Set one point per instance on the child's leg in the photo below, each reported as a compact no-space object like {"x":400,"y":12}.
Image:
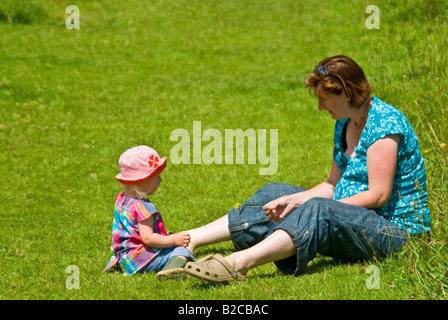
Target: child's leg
{"x":173,"y":264}
{"x":176,"y":262}
{"x":214,"y":232}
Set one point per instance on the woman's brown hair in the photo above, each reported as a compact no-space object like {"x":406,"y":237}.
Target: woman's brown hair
{"x":339,"y":74}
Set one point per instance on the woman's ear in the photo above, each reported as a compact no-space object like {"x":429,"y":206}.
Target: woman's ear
{"x":348,"y":94}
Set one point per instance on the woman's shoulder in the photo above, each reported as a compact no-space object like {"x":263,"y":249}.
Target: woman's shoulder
{"x":384,"y":119}
{"x":383,"y":110}
{"x":383,"y":115}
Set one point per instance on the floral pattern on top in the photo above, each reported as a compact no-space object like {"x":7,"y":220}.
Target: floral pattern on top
{"x":407,"y":206}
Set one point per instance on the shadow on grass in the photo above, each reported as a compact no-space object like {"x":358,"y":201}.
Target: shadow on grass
{"x":318,"y":265}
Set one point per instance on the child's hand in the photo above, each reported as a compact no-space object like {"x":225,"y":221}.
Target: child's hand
{"x":181,"y":239}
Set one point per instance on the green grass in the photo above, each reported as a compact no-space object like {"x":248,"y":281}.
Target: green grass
{"x":72,"y":101}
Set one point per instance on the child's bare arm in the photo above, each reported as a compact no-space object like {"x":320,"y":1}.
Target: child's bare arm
{"x":152,"y":239}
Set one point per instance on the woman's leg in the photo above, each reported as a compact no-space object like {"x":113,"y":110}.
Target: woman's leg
{"x":275,"y":247}
{"x":214,"y":232}
{"x":320,"y":226}
{"x":218,"y":230}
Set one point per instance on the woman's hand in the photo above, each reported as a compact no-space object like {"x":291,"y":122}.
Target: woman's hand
{"x":279,"y":208}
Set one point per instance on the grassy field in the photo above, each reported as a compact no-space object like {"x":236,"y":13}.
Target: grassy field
{"x":72,"y":100}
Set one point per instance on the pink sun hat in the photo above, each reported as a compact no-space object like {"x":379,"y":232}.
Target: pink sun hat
{"x":139,"y":163}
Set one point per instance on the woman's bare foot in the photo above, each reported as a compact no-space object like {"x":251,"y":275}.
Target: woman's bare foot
{"x":192,"y":245}
{"x":238,"y":263}
{"x":214,"y":232}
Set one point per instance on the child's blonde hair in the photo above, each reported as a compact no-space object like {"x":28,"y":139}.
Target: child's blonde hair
{"x":133,"y":188}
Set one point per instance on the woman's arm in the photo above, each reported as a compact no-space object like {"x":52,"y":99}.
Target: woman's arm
{"x":322,"y":190}
{"x":155,"y":240}
{"x":381,"y":165}
{"x":281,"y":207}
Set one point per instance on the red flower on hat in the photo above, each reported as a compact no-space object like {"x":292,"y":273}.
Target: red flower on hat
{"x":153,"y":161}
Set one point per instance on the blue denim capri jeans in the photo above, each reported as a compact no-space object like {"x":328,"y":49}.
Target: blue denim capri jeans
{"x":320,"y":225}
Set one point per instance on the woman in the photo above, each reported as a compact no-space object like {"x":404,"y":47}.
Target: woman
{"x":373,"y":199}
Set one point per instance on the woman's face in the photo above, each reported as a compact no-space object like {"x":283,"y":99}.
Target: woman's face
{"x":336,"y":105}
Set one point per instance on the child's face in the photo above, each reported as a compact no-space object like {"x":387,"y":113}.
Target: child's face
{"x":149,"y":186}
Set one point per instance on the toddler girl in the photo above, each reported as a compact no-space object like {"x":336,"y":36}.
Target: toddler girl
{"x":140,"y":242}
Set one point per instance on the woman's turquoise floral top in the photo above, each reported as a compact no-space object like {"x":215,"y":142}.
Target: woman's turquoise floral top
{"x":407,"y":206}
